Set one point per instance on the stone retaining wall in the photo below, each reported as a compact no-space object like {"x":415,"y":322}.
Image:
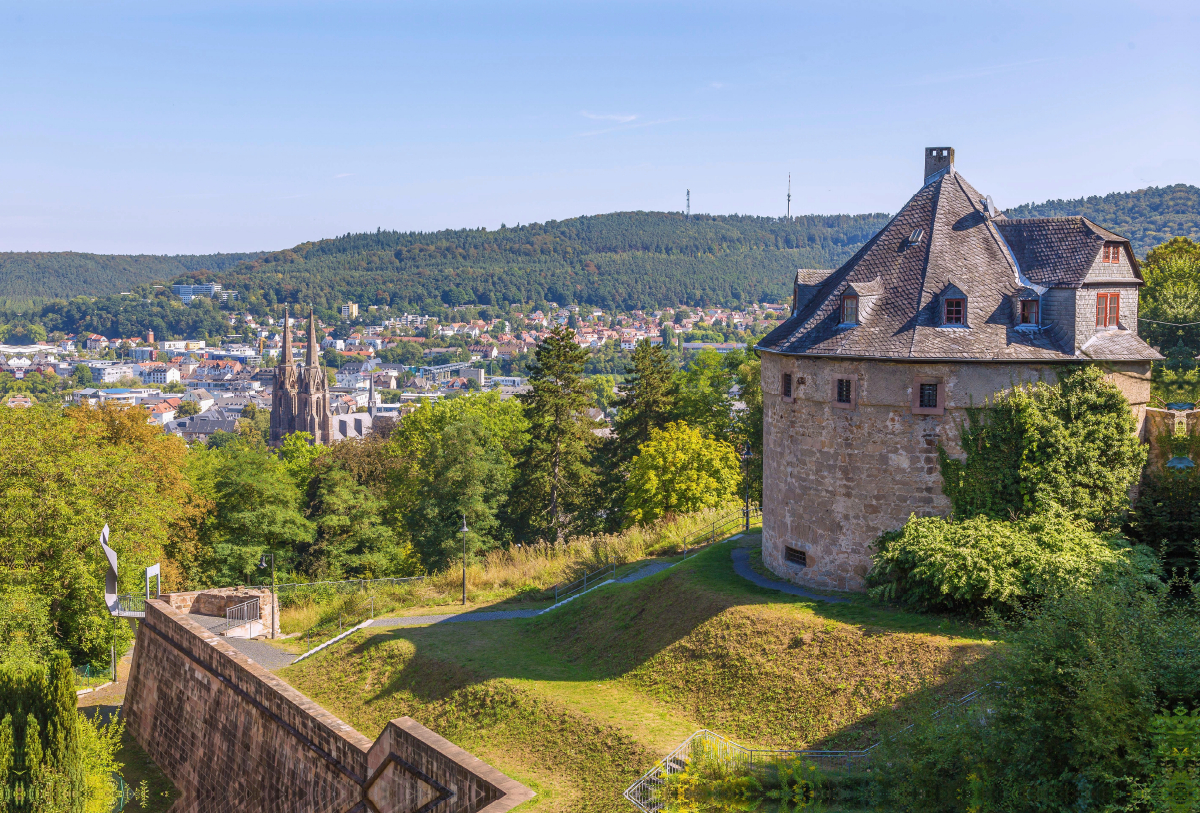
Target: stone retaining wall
{"x":218,"y":600}
{"x":233,"y":737}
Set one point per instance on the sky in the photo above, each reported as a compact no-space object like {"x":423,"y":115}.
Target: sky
{"x":181,"y":127}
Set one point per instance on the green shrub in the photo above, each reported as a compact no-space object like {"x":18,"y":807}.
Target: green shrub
{"x":975,"y":564}
{"x":1070,"y":443}
{"x":1065,"y":723}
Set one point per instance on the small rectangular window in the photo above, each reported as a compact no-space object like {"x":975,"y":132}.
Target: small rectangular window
{"x":795,"y":557}
{"x":929,"y":396}
{"x":849,"y":310}
{"x":1112,"y":253}
{"x":786,"y":386}
{"x":1108,"y":310}
{"x":954,"y":311}
{"x":1029,"y":311}
{"x":845,"y":391}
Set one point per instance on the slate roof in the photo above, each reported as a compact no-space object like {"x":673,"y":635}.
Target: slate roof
{"x":1056,"y":251}
{"x":959,"y":246}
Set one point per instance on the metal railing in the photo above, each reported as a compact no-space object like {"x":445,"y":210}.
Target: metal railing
{"x":647,"y":792}
{"x":719,"y":529}
{"x":561,"y":590}
{"x":239,"y":615}
{"x":293,"y":590}
{"x":131,"y":604}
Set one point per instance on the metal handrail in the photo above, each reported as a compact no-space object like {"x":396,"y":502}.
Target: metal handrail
{"x":564,"y":590}
{"x":236,"y":616}
{"x":644,"y":793}
{"x":716,"y":531}
{"x":131,"y":603}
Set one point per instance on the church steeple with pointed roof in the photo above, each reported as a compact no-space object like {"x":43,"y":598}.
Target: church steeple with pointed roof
{"x":300,"y":400}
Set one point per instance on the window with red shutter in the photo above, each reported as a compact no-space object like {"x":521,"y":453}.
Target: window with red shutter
{"x":1101,"y":309}
{"x":1114,"y":310}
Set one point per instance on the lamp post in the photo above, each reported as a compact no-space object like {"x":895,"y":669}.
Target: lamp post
{"x":746,"y":483}
{"x":464,"y":533}
{"x":263,"y":563}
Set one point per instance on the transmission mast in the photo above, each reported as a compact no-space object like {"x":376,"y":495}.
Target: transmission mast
{"x":689,"y":204}
{"x":789,"y":209}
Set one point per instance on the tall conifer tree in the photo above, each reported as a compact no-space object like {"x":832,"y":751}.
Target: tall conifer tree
{"x":553,"y":475}
{"x":648,"y":399}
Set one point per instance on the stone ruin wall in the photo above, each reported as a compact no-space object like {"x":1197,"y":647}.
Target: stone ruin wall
{"x":835,"y":479}
{"x":233,"y":737}
{"x":216,"y":601}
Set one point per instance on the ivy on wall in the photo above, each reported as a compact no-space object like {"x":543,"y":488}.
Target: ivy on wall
{"x":1070,"y":444}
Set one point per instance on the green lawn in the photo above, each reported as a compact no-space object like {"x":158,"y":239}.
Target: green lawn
{"x":579,"y":702}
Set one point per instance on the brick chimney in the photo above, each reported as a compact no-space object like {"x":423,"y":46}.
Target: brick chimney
{"x":937,"y":159}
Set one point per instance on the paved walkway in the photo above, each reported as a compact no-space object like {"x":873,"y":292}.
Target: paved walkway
{"x":418,"y":620}
{"x":741,"y":566}
{"x":648,"y":570}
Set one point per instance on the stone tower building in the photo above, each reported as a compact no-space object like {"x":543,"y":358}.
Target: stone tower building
{"x":950,"y":303}
{"x":300,"y":400}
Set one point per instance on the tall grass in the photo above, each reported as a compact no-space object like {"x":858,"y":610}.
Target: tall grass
{"x":524,"y":574}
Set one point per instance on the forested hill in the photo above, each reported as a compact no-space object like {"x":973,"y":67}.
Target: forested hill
{"x":63,"y":274}
{"x":1146,"y":217}
{"x":619,"y":260}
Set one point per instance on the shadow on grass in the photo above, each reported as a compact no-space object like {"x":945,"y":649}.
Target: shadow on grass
{"x":712,"y":646}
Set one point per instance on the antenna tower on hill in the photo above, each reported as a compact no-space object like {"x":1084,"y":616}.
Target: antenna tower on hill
{"x":689,"y":204}
{"x":789,"y":214}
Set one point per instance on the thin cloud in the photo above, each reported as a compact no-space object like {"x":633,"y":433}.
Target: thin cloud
{"x":622,"y":128}
{"x":618,"y":118}
{"x":344,"y":175}
{"x":718,"y":85}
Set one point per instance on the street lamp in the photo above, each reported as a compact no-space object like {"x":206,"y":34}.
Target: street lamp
{"x":746,"y":483}
{"x":464,"y":533}
{"x":263,"y":563}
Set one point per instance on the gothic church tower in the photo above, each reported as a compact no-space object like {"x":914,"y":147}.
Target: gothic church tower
{"x":300,"y":401}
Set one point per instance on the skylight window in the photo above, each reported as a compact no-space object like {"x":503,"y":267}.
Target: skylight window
{"x":916,"y":236}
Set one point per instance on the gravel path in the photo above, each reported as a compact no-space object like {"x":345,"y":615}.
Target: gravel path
{"x":419,"y":620}
{"x":262,"y":653}
{"x":741,"y":566}
{"x":648,"y":570}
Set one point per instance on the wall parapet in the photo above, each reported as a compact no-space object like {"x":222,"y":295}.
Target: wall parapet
{"x":234,"y":737}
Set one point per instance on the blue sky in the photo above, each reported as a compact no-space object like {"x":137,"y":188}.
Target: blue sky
{"x":179,"y":127}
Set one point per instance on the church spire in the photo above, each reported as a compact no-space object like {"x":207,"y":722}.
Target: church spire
{"x":287,"y":338}
{"x":313,"y":354}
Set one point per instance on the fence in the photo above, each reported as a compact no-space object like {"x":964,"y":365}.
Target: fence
{"x":720,"y":528}
{"x":240,"y":615}
{"x":561,"y":590}
{"x":86,"y":678}
{"x":292,"y":593}
{"x":647,"y":792}
{"x":131,"y":604}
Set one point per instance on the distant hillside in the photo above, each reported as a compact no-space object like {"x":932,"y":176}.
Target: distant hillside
{"x":621,"y":260}
{"x":63,"y":274}
{"x":1146,"y":217}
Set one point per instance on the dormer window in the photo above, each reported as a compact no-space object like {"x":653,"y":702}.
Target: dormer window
{"x":1029,"y":312}
{"x":955,"y":312}
{"x":1108,"y":310}
{"x":849,"y":309}
{"x":1111,"y":253}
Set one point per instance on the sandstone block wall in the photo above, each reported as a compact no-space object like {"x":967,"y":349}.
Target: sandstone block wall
{"x":218,"y":600}
{"x":835,"y":479}
{"x":233,"y":737}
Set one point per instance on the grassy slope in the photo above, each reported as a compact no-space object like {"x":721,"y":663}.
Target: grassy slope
{"x":578,"y":703}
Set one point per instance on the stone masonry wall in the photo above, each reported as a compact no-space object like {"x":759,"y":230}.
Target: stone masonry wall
{"x":233,"y":737}
{"x":835,"y":479}
{"x":218,"y":600}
